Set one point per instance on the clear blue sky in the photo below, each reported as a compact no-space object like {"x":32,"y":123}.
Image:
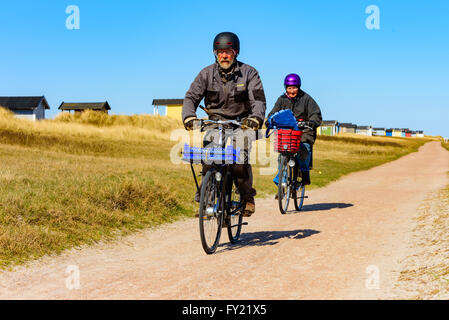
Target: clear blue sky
{"x":131,"y":52}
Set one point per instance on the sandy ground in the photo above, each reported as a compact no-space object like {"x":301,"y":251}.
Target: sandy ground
{"x":346,"y":244}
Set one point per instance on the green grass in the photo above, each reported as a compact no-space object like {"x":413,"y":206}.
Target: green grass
{"x":52,"y":201}
{"x":69,"y":182}
{"x":335,"y":157}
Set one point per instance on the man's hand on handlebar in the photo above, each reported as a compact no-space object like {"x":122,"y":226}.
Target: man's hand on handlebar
{"x":250,"y":123}
{"x":190,"y":122}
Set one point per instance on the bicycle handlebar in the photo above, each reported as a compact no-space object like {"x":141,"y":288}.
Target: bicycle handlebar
{"x":234,"y":122}
{"x":202,"y":124}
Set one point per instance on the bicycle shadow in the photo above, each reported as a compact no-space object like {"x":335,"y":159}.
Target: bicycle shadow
{"x":325,"y":206}
{"x":266,"y":238}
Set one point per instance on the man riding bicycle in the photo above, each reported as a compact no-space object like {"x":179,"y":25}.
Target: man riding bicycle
{"x":233,"y":91}
{"x":305,"y":110}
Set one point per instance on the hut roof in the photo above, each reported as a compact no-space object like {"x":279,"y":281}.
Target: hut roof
{"x":348,"y":125}
{"x":167,"y":102}
{"x":84,"y":106}
{"x":23,"y":103}
{"x":329,"y":123}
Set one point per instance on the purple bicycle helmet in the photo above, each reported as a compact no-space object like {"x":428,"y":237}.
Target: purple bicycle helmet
{"x":292,"y":80}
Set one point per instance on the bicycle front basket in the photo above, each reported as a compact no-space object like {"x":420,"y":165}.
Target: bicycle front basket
{"x":287,"y":140}
{"x":210,"y":155}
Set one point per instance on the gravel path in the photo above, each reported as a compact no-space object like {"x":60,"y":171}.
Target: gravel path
{"x":346,"y":244}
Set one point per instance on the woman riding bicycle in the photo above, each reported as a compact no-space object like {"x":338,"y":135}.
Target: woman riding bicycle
{"x":306,"y":110}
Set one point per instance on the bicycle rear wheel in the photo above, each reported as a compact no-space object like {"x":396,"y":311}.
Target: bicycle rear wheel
{"x":210,"y":213}
{"x":284,"y":186}
{"x":234,"y":214}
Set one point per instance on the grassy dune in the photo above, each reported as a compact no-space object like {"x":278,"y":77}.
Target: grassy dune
{"x":445,"y":145}
{"x":77,"y":180}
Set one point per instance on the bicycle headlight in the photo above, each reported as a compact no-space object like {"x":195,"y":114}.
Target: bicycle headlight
{"x":291,"y":163}
{"x":218,"y":176}
{"x":210,"y":211}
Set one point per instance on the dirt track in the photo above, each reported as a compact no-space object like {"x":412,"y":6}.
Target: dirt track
{"x":348,"y":231}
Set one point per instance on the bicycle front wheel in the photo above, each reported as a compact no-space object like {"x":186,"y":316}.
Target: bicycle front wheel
{"x":298,"y":194}
{"x":284,"y":186}
{"x":210,"y":213}
{"x":299,"y":197}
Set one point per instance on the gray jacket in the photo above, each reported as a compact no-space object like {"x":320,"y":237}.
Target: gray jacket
{"x":242,"y":96}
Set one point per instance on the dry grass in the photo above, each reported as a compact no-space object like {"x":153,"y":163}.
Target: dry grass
{"x":87,"y":134}
{"x":445,"y":145}
{"x":78,"y":179}
{"x":99,"y":119}
{"x":426,"y":272}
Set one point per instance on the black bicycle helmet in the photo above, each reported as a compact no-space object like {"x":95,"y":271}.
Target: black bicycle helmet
{"x":226,"y":40}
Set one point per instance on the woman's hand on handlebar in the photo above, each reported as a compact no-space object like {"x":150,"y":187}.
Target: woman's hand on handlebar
{"x":306,"y":124}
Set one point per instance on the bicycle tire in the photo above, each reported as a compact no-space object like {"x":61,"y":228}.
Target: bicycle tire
{"x":234,"y":220}
{"x":210,"y":224}
{"x":284,"y":187}
{"x":298,"y":200}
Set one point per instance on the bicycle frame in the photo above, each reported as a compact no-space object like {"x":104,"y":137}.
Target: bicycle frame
{"x":217,"y":208}
{"x":224,"y":169}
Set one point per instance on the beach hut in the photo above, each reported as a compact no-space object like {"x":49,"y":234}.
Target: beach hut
{"x":364,"y":130}
{"x":379,"y":132}
{"x":389,"y":132}
{"x":328,"y":128}
{"x":347,"y":128}
{"x":32,"y":108}
{"x":403,"y":132}
{"x":397,"y":132}
{"x":83,"y":106}
{"x":173,"y":107}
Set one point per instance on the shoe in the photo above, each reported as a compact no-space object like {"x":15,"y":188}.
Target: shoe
{"x":250,"y":208}
{"x":276,"y":197}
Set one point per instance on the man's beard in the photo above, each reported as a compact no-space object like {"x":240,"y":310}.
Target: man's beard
{"x":226,"y":65}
